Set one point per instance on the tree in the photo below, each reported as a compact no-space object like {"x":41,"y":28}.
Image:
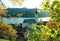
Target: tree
{"x":2,"y":6}
{"x":53,"y":8}
{"x":3,"y":10}
{"x":7,"y":30}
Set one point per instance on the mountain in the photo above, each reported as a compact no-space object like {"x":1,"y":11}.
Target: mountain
{"x":26,"y":12}
{"x":13,"y":11}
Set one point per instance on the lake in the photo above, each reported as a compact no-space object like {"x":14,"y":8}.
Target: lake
{"x":20,"y":20}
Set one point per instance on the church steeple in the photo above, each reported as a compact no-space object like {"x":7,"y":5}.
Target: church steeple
{"x":36,"y":10}
{"x":36,"y":15}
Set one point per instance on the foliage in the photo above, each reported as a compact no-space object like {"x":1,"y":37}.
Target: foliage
{"x":51,"y":31}
{"x":3,"y":12}
{"x":3,"y":40}
{"x":20,"y":15}
{"x":42,"y":34}
{"x":17,"y":2}
{"x":7,"y":30}
{"x":35,"y":33}
{"x":3,"y":7}
{"x":53,"y":24}
{"x":54,"y":9}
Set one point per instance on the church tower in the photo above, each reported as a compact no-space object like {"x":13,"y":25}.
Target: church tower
{"x":36,"y":16}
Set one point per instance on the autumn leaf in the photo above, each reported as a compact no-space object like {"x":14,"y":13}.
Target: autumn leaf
{"x":39,"y":10}
{"x":19,"y":15}
{"x":17,"y":2}
{"x":3,"y":12}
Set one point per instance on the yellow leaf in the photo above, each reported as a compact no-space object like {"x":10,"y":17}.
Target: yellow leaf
{"x":39,"y":10}
{"x":19,"y":15}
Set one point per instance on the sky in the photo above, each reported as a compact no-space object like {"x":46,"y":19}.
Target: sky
{"x":26,"y":3}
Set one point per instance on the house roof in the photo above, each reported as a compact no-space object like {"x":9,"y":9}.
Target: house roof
{"x":30,"y":21}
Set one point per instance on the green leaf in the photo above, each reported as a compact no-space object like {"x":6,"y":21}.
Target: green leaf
{"x":52,"y":31}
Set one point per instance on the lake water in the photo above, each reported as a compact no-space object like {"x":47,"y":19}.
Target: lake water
{"x":20,"y":20}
